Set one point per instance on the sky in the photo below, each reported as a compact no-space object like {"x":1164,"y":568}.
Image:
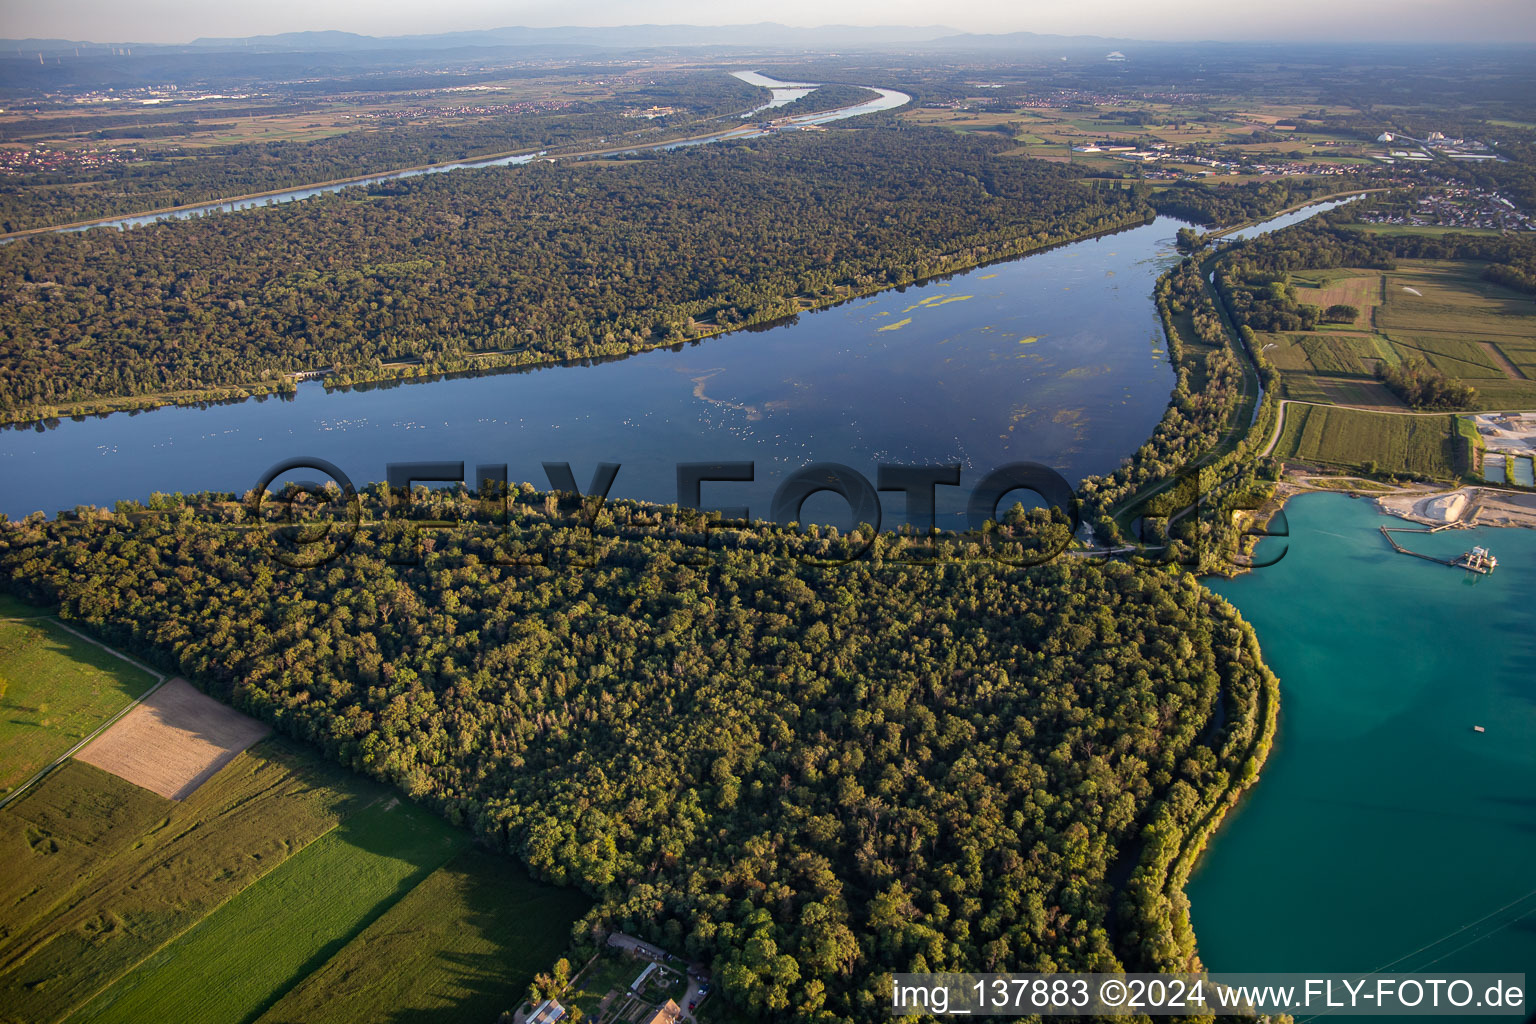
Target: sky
{"x":180,"y":21}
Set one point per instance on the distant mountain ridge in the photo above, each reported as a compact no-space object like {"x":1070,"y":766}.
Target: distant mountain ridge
{"x":627,"y":37}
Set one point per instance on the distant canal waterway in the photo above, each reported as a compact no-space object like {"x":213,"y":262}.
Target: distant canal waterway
{"x":782,"y":93}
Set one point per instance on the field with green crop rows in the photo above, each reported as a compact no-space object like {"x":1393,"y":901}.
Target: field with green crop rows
{"x":284,"y":883}
{"x":243,"y":957}
{"x":461,"y":946}
{"x":101,"y":874}
{"x":1436,"y":295}
{"x":1422,"y":445}
{"x":1441,"y":312}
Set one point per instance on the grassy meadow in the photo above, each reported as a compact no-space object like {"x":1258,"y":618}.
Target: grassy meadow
{"x":461,"y":946}
{"x":102,"y":874}
{"x":284,"y":885}
{"x":55,"y":689}
{"x":243,"y":957}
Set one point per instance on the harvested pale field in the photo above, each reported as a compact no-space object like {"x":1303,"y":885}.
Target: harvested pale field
{"x":1361,"y":289}
{"x":174,"y":741}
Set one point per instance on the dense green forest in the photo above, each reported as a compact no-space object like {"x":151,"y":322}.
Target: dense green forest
{"x":176,"y":177}
{"x":807,"y":777}
{"x":509,"y":266}
{"x":1233,"y":203}
{"x":826,"y":97}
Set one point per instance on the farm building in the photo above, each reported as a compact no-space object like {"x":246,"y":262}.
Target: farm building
{"x":638,"y":985}
{"x":547,"y":1012}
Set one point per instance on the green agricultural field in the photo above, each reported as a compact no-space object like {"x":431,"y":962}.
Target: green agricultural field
{"x":1521,"y":354}
{"x":1422,"y":445}
{"x":461,"y":946}
{"x":1454,"y":298}
{"x":1370,"y":394}
{"x":1286,"y":352}
{"x":1466,"y":327}
{"x":1504,"y":394}
{"x":100,"y":873}
{"x":1486,"y":365}
{"x":55,"y":689}
{"x":1324,"y":288}
{"x":1454,"y":355}
{"x":283,"y":884}
{"x":1417,"y":229}
{"x":243,"y":958}
{"x":1346,"y":355}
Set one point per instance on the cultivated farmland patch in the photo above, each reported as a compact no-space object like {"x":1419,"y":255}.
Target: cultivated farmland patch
{"x":174,"y":741}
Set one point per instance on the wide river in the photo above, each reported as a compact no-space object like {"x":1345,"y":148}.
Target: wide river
{"x":1056,"y":358}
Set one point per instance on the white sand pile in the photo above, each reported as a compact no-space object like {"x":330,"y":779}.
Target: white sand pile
{"x":1447,"y":508}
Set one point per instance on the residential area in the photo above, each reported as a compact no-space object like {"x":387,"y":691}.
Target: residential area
{"x":629,"y":981}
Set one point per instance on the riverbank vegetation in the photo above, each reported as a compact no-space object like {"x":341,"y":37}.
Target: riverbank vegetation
{"x":1230,"y":203}
{"x":517,"y":266}
{"x":885,"y":767}
{"x":1210,"y":427}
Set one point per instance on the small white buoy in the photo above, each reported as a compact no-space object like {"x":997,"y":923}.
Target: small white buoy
{"x":1478,"y":728}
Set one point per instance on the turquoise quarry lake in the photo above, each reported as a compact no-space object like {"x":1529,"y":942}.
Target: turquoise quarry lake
{"x":1384,"y":832}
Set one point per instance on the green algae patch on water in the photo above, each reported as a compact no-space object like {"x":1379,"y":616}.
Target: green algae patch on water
{"x":1081,"y":372}
{"x":898,"y":325}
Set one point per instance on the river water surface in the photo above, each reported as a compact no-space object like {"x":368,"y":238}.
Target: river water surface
{"x":1056,"y":358}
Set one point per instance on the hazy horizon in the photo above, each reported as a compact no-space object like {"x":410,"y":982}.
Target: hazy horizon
{"x":182,"y":21}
